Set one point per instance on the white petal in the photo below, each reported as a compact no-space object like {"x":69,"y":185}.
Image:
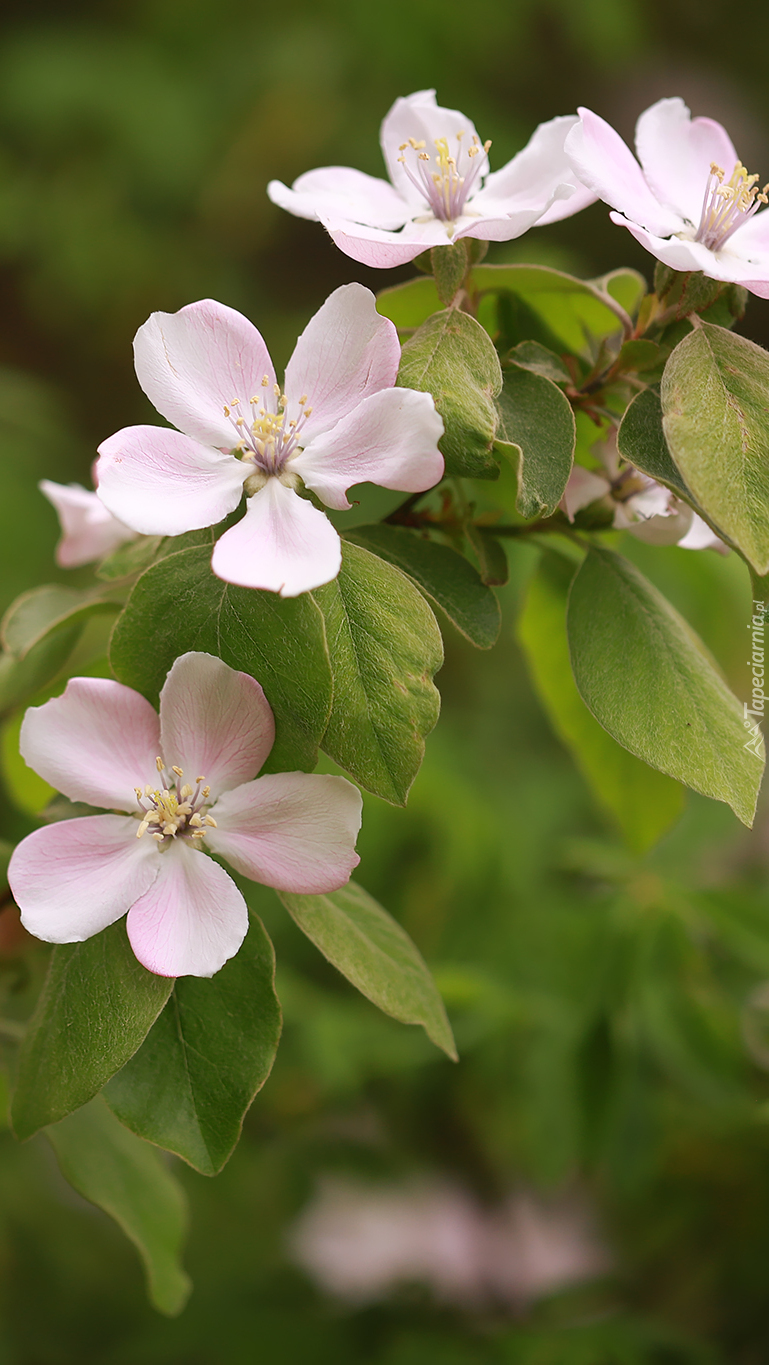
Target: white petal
{"x":606,"y":165}
{"x":95,"y":743}
{"x":663,"y":529}
{"x":531,"y":180}
{"x":194,"y":363}
{"x":293,"y":831}
{"x":163,"y":484}
{"x":283,"y":544}
{"x":682,"y":254}
{"x":72,"y":879}
{"x":89,"y":531}
{"x":391,"y":439}
{"x":384,"y":250}
{"x":193,"y":918}
{"x":346,"y":352}
{"x":342,"y":192}
{"x":501,"y":228}
{"x":419,"y":117}
{"x":700,"y":537}
{"x":676,"y":153}
{"x":214,"y":722}
{"x":583,"y":487}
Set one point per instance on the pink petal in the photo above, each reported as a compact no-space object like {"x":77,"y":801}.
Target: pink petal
{"x":662,"y":529}
{"x":346,"y":352}
{"x":95,"y":743}
{"x":583,"y":487}
{"x":192,"y":919}
{"x":533,"y":177}
{"x":194,"y":363}
{"x":163,"y":484}
{"x":293,"y":831}
{"x":391,"y":439}
{"x":682,"y":254}
{"x":700,"y":537}
{"x":383,"y":250}
{"x":606,"y":165}
{"x":214,"y":722}
{"x":676,"y":153}
{"x":501,"y":228}
{"x":72,"y":879}
{"x":419,"y":117}
{"x":751,"y":241}
{"x":89,"y":531}
{"x":342,"y":192}
{"x":283,"y":544}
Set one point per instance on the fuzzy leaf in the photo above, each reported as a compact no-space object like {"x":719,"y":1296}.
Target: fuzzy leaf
{"x":538,"y":433}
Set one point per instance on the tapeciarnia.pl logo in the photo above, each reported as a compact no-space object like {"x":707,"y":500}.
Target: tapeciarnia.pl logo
{"x":754,"y":713}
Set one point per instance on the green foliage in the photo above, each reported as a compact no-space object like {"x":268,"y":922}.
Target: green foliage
{"x":409,"y":305}
{"x":538,"y":434}
{"x":129,"y":1181}
{"x":449,"y":266}
{"x":384,"y":646}
{"x":642,"y":802}
{"x":208,"y":1054}
{"x":641,"y":440}
{"x":179,"y":605}
{"x":452,"y":357}
{"x":96,"y":1008}
{"x":530,"y":355}
{"x":20,"y":679}
{"x":648,"y":679}
{"x":576,"y":312}
{"x":41,"y":611}
{"x":371,"y":949}
{"x":446,"y":578}
{"x":715,"y":397}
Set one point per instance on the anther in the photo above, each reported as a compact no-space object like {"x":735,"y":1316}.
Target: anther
{"x":178,"y":771}
{"x":158,"y":765}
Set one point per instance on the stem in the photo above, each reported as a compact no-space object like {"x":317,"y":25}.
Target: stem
{"x":400,"y":514}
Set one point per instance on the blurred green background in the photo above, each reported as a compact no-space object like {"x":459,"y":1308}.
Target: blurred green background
{"x":608,"y":1009}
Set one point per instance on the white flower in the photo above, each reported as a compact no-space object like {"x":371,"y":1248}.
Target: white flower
{"x":691,"y":202}
{"x":88,"y":530}
{"x":186,"y":780}
{"x":441,"y":189}
{"x":338,"y":421}
{"x":645,"y":508}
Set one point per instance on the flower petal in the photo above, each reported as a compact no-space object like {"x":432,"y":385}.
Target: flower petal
{"x":583,"y":487}
{"x":283,"y":544}
{"x":391,"y":439}
{"x":606,"y":165}
{"x":681,"y":253}
{"x":418,"y":116}
{"x":192,"y":919}
{"x":531,"y":180}
{"x":342,"y":192}
{"x":676,"y":153}
{"x":346,"y":352}
{"x":293,"y":831}
{"x":214,"y":721}
{"x":89,"y":531}
{"x":95,"y":743}
{"x":73,"y":879}
{"x":194,"y":363}
{"x":700,"y":537}
{"x":163,"y":484}
{"x":383,"y":250}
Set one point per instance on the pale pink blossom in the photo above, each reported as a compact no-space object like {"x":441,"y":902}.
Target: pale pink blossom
{"x":640,"y":505}
{"x":88,"y":530}
{"x":339,"y":420}
{"x":440,"y":188}
{"x":185,"y":780}
{"x":690,"y":202}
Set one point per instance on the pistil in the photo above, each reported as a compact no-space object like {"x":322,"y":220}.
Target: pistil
{"x":446,"y":181}
{"x":728,"y":204}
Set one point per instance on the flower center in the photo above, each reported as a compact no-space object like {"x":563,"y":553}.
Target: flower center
{"x":266,"y":437}
{"x":445,"y":180}
{"x":175,"y":810}
{"x":728,"y":204}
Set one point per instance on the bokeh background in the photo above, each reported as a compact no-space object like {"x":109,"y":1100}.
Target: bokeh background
{"x":590,"y":1185}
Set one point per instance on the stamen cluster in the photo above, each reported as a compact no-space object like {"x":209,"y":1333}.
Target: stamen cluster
{"x":177,"y":811}
{"x":727,"y":206}
{"x":446,"y":188}
{"x":267,"y":438}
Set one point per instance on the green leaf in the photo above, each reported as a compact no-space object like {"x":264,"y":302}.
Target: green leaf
{"x":715,"y":406}
{"x":490,"y":553}
{"x":41,"y":611}
{"x":132,"y":557}
{"x":537,"y":427}
{"x":191,"y":1082}
{"x":531,"y":355}
{"x":96,"y":1008}
{"x":641,"y":440}
{"x":385,"y":646}
{"x":650,"y":682}
{"x":178,"y":605}
{"x":371,"y":949}
{"x":20,"y":679}
{"x":452,"y":357}
{"x":449,"y":265}
{"x":577,"y":312}
{"x":128,"y":1180}
{"x":642,"y":802}
{"x":445,"y":577}
{"x":409,"y":305}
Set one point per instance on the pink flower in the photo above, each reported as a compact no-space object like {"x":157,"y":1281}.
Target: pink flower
{"x":691,"y":202}
{"x":185,"y":778}
{"x":338,"y":421}
{"x":441,"y":189}
{"x":88,"y":530}
{"x":645,"y":508}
